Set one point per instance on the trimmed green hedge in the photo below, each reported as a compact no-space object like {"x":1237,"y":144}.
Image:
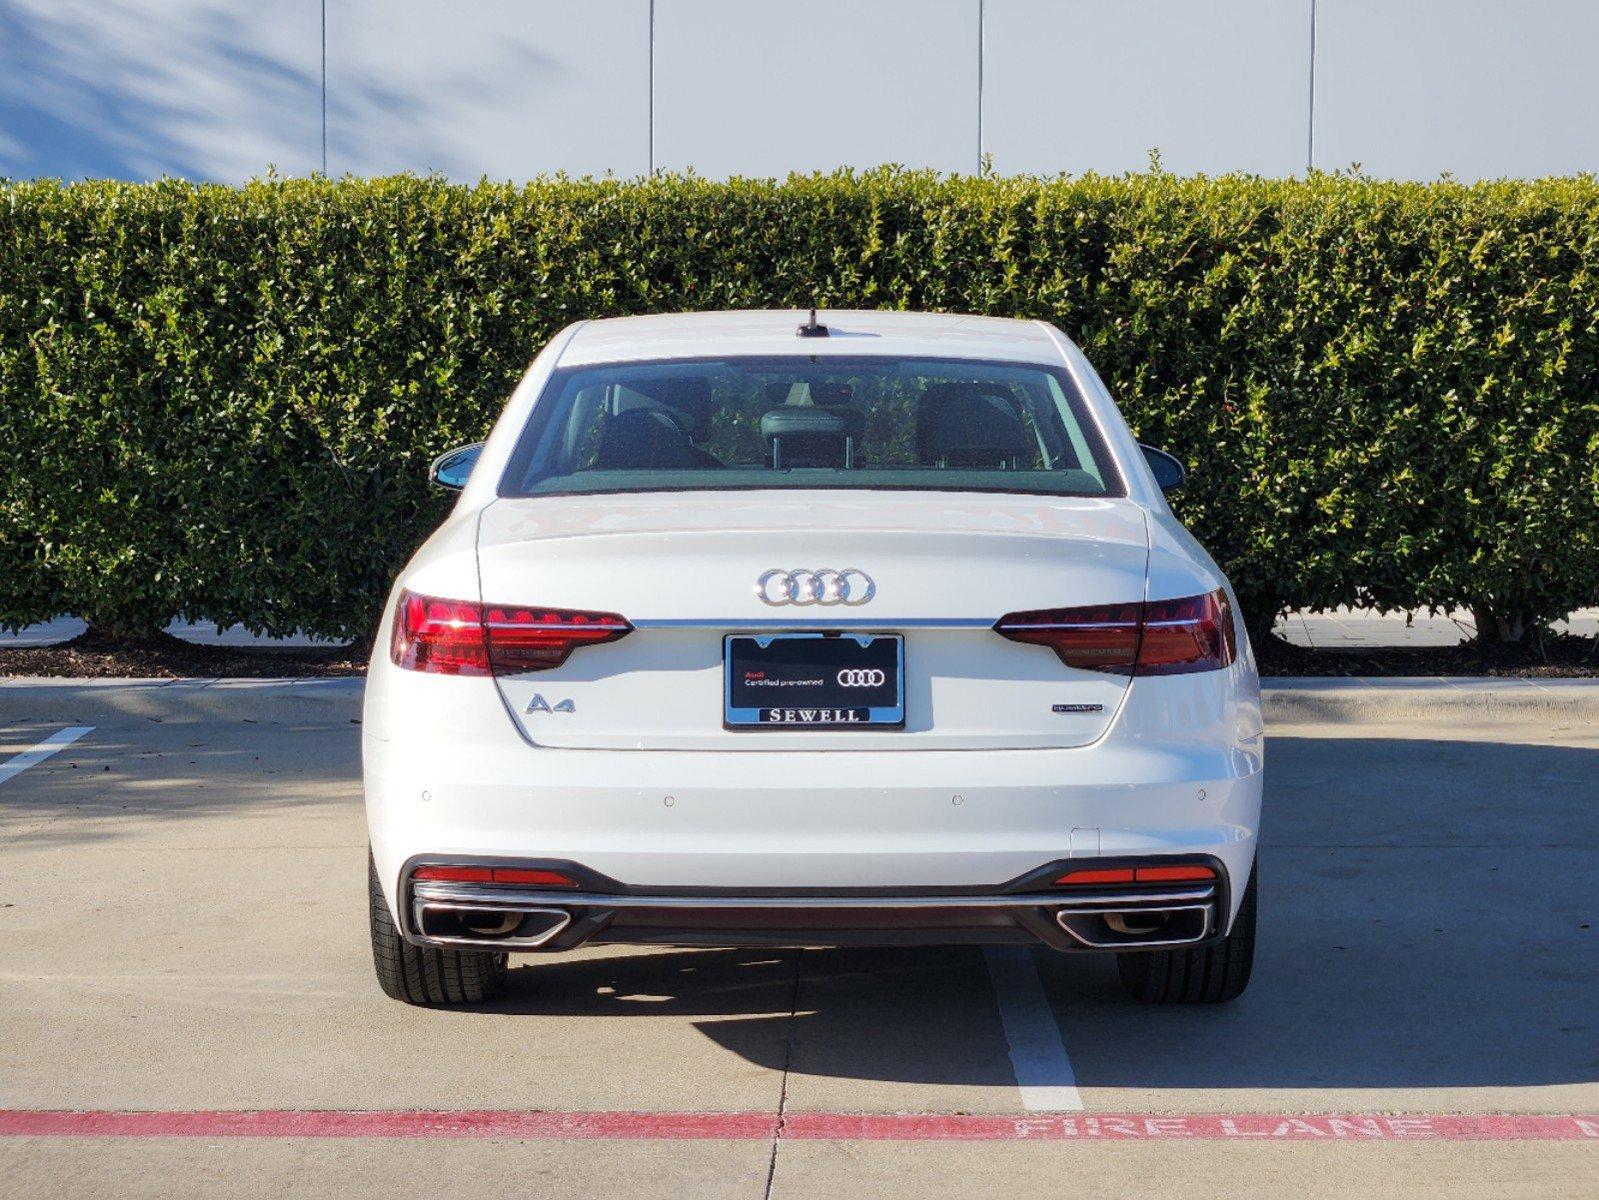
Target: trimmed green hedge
{"x":219,"y":403}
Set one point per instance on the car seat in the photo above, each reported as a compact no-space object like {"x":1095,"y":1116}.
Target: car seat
{"x":968,"y":425}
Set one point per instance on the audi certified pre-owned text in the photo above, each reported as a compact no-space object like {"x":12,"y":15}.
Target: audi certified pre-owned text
{"x":848,"y":628}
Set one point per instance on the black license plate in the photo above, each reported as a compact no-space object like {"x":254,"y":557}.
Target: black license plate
{"x":814,"y":681}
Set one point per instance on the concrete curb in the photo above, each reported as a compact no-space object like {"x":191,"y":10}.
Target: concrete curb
{"x":1288,"y":701}
{"x":1360,"y":700}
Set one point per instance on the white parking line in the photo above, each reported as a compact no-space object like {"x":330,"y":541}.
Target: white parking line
{"x":34,"y":755}
{"x":1037,"y":1054}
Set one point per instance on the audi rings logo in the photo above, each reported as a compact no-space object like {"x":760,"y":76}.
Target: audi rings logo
{"x":862,"y":677}
{"x":850,"y":586}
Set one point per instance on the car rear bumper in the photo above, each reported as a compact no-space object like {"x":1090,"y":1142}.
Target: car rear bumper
{"x":814,"y":827}
{"x":1178,"y":774}
{"x":484,"y":916}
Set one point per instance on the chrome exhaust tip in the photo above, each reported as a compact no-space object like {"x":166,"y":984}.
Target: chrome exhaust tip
{"x":1141,"y":927}
{"x":488,"y":926}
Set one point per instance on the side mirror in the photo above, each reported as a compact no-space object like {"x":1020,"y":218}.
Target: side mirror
{"x":1169,"y":471}
{"x":454,"y":467}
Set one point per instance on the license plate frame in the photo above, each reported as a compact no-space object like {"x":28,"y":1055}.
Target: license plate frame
{"x":878,"y":706}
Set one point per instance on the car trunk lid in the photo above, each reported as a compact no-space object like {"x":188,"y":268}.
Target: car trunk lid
{"x":683,"y":569}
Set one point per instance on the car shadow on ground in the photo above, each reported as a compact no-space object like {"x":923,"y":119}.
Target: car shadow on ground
{"x":1428,"y":920}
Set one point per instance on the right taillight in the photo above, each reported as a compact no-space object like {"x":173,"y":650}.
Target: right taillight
{"x":462,"y":637}
{"x":1158,"y":637}
{"x":1102,"y":638}
{"x":1191,"y":634}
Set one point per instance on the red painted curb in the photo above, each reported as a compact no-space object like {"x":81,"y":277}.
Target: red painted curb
{"x":800,"y":1126}
{"x":288,"y":1123}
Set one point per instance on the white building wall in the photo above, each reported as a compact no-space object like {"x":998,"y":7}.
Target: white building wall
{"x":1478,"y":88}
{"x":503,"y":88}
{"x":1095,"y":85}
{"x":747,"y":87}
{"x":135,"y":89}
{"x":225,"y":89}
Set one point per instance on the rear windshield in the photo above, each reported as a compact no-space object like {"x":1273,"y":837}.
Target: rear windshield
{"x":799,"y":422}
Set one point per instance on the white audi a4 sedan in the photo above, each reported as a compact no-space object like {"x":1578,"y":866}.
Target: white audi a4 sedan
{"x":776,"y":629}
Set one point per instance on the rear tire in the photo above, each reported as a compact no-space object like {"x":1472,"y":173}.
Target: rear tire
{"x":1206,"y":974}
{"x":424,"y":975}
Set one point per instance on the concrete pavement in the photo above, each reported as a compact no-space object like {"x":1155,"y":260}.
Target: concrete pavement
{"x":182,"y":918}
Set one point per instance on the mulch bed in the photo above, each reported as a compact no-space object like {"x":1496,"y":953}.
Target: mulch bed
{"x":94,"y":656}
{"x":91,"y":655}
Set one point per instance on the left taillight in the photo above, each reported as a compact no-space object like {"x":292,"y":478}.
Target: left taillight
{"x":1158,"y":637}
{"x":444,"y":637}
{"x":460,"y":637}
{"x":536,"y":639}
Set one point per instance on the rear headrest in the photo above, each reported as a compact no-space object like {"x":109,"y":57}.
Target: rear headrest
{"x":803,"y":436}
{"x":965,"y":424}
{"x":642,"y":438}
{"x":793,"y":420}
{"x":688,"y":399}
